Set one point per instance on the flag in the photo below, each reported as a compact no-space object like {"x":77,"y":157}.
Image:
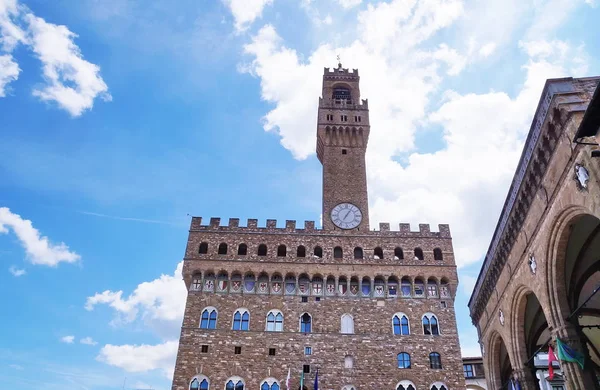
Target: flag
{"x":515,"y":385}
{"x":568,"y":354}
{"x":302,"y":380}
{"x":551,"y":358}
{"x":316,"y":387}
{"x":287,"y":381}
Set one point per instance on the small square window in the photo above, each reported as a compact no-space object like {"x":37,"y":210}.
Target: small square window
{"x":304,"y":299}
{"x":204,"y":349}
{"x":443,"y":304}
{"x":308,"y":350}
{"x":238,"y":350}
{"x":344,"y":151}
{"x":271,"y":351}
{"x":306,"y":368}
{"x":317,"y":299}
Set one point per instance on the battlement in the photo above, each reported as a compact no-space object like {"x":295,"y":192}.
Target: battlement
{"x":339,"y":71}
{"x":252,"y":226}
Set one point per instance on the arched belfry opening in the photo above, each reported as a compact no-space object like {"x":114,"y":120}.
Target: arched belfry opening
{"x":582,"y":282}
{"x":342,"y":92}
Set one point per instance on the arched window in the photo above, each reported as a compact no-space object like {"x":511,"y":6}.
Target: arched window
{"x":241,"y":319}
{"x":209,"y":318}
{"x":337,"y":253}
{"x":400,"y":324}
{"x":262,"y":250}
{"x":281,"y":251}
{"x":358,"y":253}
{"x":437,"y":254}
{"x":348,"y":362}
{"x":405,"y":385}
{"x":200,"y":382}
{"x":305,"y":323}
{"x":435,"y":360}
{"x":378,"y":253}
{"x":403,"y":360}
{"x":444,"y":289}
{"x":347,"y":324}
{"x":419,"y":288}
{"x":438,"y":386}
{"x":342,"y":93}
{"x":234,"y":383}
{"x":349,"y":387}
{"x":270,"y":384}
{"x":430,"y":325}
{"x":318,"y":252}
{"x":406,"y":287}
{"x":203,"y":248}
{"x":222,"y":249}
{"x":242,"y":250}
{"x":418,"y":254}
{"x":274,"y":321}
{"x":196,"y":282}
{"x":398,"y":253}
{"x":301,"y":251}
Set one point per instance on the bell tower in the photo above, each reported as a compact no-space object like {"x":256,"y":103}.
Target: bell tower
{"x":342,"y":136}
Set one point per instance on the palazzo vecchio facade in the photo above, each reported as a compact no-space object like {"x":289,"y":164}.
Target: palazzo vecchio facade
{"x":369,"y":308}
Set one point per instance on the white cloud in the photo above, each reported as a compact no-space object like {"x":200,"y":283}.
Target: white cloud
{"x":10,"y":33}
{"x":73,"y":82}
{"x":88,"y":341}
{"x":9,"y":72}
{"x":140,"y":358}
{"x":246,"y":11}
{"x":349,"y":3}
{"x":16,"y":271}
{"x":39,"y":249}
{"x":67,"y":339}
{"x":458,"y":184}
{"x":160,"y":303}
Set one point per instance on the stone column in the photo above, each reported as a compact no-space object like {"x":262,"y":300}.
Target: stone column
{"x":575,"y":377}
{"x":526,"y":378}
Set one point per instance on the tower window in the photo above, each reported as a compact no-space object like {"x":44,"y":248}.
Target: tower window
{"x":204,"y":349}
{"x":301,"y":252}
{"x":318,"y":252}
{"x":242,"y":250}
{"x":344,"y":151}
{"x":337,"y":252}
{"x":437,"y":254}
{"x":271,"y":351}
{"x":203,"y":248}
{"x":418,"y":254}
{"x":238,"y":350}
{"x":281,"y":251}
{"x":306,"y":368}
{"x":262,"y":250}
{"x":342,"y":93}
{"x":344,"y":118}
{"x":329,"y":117}
{"x":356,"y":118}
{"x":308,"y":350}
{"x":222,"y":248}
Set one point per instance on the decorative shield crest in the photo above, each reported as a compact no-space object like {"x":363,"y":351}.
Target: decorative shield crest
{"x":342,"y":288}
{"x":276,"y":287}
{"x":330,"y":289}
{"x":379,"y":291}
{"x":317,"y":288}
{"x":222,"y":285}
{"x":262,"y":287}
{"x":303,"y":287}
{"x":392,"y":290}
{"x":209,"y":285}
{"x":290,"y":287}
{"x":582,"y":176}
{"x":236,"y":285}
{"x":353,"y":289}
{"x":366,"y":289}
{"x":249,"y":285}
{"x":445,"y":293}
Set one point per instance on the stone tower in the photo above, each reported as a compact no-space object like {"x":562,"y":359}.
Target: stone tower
{"x":342,"y":136}
{"x":368,"y":309}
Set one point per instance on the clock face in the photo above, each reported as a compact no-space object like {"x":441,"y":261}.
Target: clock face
{"x":346,"y":216}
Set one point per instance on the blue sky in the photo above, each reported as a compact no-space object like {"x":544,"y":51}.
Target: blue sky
{"x":118,"y":119}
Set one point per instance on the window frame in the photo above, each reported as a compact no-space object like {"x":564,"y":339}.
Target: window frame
{"x":200,"y":378}
{"x":400,"y":316}
{"x":275,"y":313}
{"x":429,"y":317}
{"x":209,"y":310}
{"x":435,"y":361}
{"x":242,"y":311}
{"x":302,"y":324}
{"x":466,"y":371}
{"x":403,"y":357}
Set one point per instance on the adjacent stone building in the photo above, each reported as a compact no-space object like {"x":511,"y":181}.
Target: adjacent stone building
{"x":541,"y":273}
{"x":366,"y":308}
{"x":474,"y":373}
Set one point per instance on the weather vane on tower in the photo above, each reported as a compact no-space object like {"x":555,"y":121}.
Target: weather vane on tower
{"x":339,"y":61}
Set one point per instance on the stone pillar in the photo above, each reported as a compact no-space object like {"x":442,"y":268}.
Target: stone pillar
{"x":575,"y":377}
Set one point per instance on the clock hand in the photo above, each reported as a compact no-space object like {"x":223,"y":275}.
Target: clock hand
{"x":346,"y":215}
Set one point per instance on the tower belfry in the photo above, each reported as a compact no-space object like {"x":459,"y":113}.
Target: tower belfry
{"x":342,"y":137}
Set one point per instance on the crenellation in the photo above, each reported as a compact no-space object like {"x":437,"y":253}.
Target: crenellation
{"x":309,"y":226}
{"x":424,"y":228}
{"x":234,"y":222}
{"x":252,"y":223}
{"x":290,"y":225}
{"x":271,"y":224}
{"x":384,"y":226}
{"x":215,"y":222}
{"x":404,"y":227}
